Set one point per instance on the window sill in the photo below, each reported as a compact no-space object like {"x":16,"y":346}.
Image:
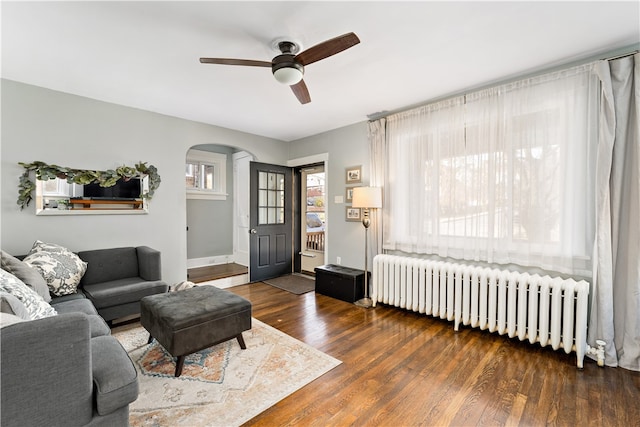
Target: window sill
{"x":51,"y":212}
{"x":202,"y":195}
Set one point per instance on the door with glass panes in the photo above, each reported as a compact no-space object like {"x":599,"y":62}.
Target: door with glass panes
{"x":314,"y":218}
{"x":270,"y":217}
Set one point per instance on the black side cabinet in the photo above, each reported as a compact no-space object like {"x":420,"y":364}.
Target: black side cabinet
{"x":343,"y":283}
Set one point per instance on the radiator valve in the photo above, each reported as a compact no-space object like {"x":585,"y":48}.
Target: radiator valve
{"x":597,"y":351}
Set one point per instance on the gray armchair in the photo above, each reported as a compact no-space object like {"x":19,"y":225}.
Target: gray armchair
{"x":118,"y":278}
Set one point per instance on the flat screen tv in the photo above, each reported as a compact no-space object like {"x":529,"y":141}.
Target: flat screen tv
{"x":123,"y":190}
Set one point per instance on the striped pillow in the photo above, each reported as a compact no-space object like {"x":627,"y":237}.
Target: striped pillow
{"x":36,"y":306}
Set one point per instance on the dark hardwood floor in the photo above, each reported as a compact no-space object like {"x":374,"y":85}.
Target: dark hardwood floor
{"x":405,"y":369}
{"x":213,"y":272}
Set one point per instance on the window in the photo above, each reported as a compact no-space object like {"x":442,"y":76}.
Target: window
{"x":502,"y":175}
{"x":270,"y":198}
{"x":205,"y":175}
{"x":56,"y":187}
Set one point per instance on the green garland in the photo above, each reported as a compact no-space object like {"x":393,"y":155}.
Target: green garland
{"x":108,"y":178}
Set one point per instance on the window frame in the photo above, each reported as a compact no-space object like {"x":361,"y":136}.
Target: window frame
{"x":219,"y":163}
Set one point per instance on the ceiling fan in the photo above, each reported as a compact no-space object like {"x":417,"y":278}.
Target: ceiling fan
{"x":288,"y":67}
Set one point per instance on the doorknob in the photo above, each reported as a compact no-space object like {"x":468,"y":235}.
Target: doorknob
{"x":253,"y":231}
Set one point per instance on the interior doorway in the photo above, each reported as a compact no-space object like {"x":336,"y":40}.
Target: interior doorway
{"x":313,"y":212}
{"x":217,"y":211}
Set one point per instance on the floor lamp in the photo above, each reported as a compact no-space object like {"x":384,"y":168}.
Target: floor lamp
{"x":366,"y":198}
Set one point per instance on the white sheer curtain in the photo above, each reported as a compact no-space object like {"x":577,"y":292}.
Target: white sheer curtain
{"x":500,"y":175}
{"x":615,"y":308}
{"x":544,"y":172}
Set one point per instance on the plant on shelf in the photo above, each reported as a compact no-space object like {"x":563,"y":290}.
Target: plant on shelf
{"x":108,"y":178}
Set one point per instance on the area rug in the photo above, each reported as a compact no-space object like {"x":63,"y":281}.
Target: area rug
{"x":295,"y":283}
{"x":222,"y":385}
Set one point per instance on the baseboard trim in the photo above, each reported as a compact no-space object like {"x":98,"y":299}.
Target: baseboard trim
{"x":227,"y":282}
{"x":210,"y":260}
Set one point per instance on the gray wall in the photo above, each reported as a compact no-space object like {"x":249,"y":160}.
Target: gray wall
{"x":69,"y":130}
{"x":346,"y":147}
{"x":210,"y":222}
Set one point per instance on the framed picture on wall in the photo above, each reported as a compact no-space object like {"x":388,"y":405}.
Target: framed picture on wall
{"x":353,"y":214}
{"x":348,"y":194}
{"x":354,"y":175}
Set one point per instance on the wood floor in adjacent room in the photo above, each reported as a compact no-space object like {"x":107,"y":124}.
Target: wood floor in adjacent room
{"x":405,"y":369}
{"x":215,"y":272}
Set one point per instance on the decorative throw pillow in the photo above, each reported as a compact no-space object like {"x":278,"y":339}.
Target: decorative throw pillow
{"x":61,"y":268}
{"x":35,"y":305}
{"x":12,"y":305}
{"x":7,"y":319}
{"x":29,"y":275}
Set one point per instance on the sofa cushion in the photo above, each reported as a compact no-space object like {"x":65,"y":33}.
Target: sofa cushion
{"x":123,"y":291}
{"x":79,"y":305}
{"x":98,"y":326}
{"x":70,"y":297}
{"x":36,"y":306}
{"x":12,"y":305}
{"x":114,"y":376}
{"x":96,"y":323}
{"x":61,"y":268}
{"x":29,"y":275}
{"x":107,"y":265}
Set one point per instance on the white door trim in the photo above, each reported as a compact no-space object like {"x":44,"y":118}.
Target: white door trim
{"x":241,"y":209}
{"x":309,"y":160}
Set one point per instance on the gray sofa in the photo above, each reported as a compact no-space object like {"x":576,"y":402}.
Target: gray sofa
{"x":63,"y":370}
{"x":117,"y":279}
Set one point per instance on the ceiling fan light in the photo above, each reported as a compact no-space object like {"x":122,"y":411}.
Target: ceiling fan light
{"x":288,"y":75}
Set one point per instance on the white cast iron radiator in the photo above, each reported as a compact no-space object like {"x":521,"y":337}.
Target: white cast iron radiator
{"x":551,"y":311}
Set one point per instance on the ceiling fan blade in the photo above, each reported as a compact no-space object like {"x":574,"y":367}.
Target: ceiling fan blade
{"x":301,"y":92}
{"x":227,"y":61}
{"x":327,"y":48}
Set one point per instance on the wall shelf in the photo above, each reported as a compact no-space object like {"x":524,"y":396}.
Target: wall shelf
{"x":85,"y":204}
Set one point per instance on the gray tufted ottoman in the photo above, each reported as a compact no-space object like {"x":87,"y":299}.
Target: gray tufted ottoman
{"x":193,"y":319}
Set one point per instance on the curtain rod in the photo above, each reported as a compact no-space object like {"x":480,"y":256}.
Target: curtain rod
{"x":623,"y":55}
{"x":385,"y":113}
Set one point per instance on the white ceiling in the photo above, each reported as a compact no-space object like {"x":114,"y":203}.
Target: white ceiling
{"x":145,"y":54}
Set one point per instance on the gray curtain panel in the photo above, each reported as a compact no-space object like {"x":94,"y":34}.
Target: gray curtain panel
{"x":615,"y":313}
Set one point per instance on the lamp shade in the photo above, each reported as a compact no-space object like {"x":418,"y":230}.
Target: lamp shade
{"x":367,"y":197}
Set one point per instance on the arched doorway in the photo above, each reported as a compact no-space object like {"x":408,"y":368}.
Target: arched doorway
{"x":217,"y":186}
